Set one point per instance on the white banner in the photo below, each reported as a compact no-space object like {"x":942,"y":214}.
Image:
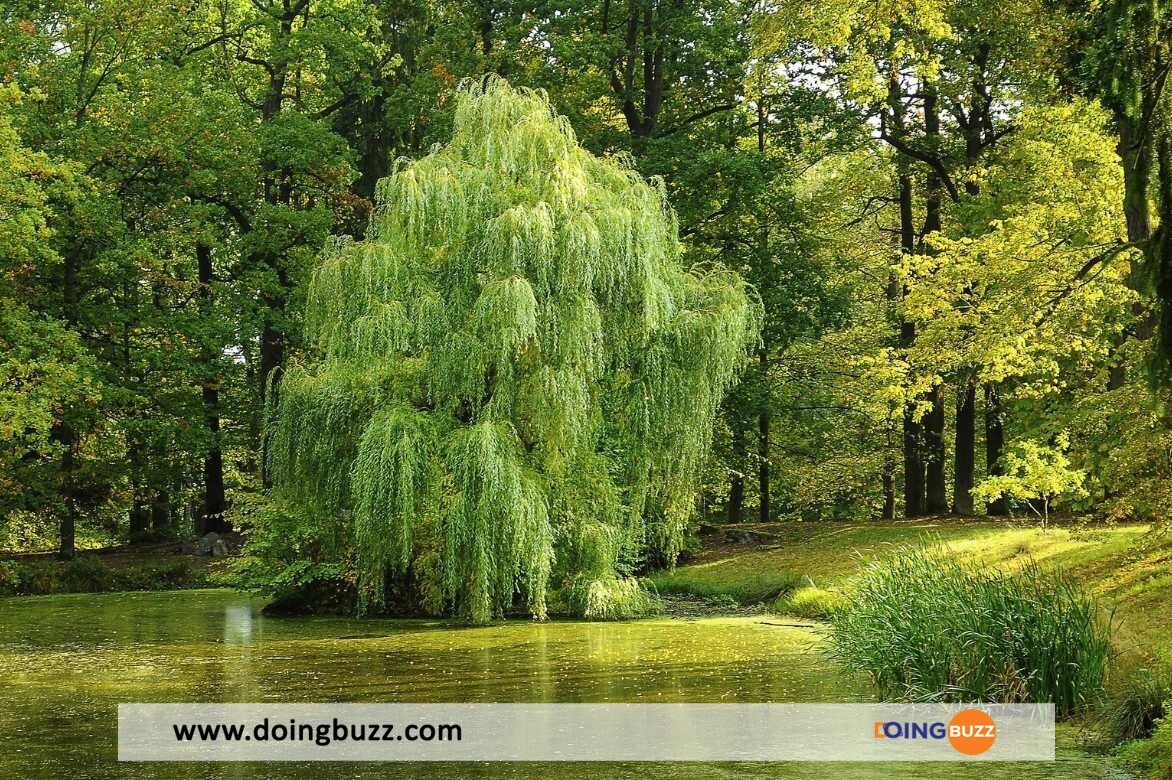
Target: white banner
{"x":585,"y":732}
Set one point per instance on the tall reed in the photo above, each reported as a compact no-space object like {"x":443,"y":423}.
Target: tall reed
{"x":926,"y":627}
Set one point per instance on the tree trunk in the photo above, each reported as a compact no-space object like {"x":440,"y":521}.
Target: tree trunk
{"x":63,"y":432}
{"x":763,"y":353}
{"x":736,"y":490}
{"x":1135,"y":154}
{"x":1160,"y":254}
{"x":68,"y":521}
{"x":936,"y":489}
{"x":888,"y":487}
{"x":962,"y":486}
{"x":937,"y":492}
{"x":965,"y":437}
{"x":913,"y":463}
{"x":913,"y":466}
{"x":645,"y":39}
{"x":214,"y":501}
{"x":994,"y":442}
{"x":161,"y":511}
{"x":374,"y":162}
{"x":139,"y":516}
{"x":763,"y":441}
{"x":277,"y":187}
{"x":1136,"y":158}
{"x":68,"y":532}
{"x":140,"y":520}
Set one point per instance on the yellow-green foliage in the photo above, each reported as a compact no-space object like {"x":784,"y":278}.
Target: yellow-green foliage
{"x":610,"y":598}
{"x":513,"y":361}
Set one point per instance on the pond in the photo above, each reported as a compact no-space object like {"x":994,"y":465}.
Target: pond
{"x":67,"y":661}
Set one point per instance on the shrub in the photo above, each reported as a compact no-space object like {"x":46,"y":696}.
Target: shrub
{"x":90,"y":574}
{"x":10,"y":578}
{"x":721,"y":601}
{"x":1150,"y":759}
{"x":84,"y":574}
{"x":611,"y":598}
{"x":306,"y":588}
{"x":1135,"y":708}
{"x":810,"y":602}
{"x":161,"y":576}
{"x":928,"y":628}
{"x":38,"y":579}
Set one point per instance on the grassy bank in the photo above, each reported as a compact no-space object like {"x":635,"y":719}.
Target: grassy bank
{"x":803,"y":570}
{"x":1126,"y":566}
{"x":122,"y":569}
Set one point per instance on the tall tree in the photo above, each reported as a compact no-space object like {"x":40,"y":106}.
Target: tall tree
{"x":512,"y":360}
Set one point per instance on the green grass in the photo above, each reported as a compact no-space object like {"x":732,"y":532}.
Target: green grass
{"x":745,"y":585}
{"x":810,"y":602}
{"x":926,"y":626}
{"x":1138,"y":704}
{"x":1149,"y":758}
{"x":1128,"y":568}
{"x":89,"y":573}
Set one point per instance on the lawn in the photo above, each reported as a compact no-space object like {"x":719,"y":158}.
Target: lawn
{"x":1129,"y":567}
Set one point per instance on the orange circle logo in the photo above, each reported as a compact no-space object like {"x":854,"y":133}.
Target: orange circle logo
{"x":972,"y":732}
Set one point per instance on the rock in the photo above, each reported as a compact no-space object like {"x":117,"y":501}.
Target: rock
{"x":219,"y":549}
{"x":207,"y":543}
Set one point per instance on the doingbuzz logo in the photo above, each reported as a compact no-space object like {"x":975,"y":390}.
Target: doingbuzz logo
{"x":971,"y":732}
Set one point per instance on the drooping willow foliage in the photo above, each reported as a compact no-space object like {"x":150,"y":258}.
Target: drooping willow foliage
{"x":515,"y":378}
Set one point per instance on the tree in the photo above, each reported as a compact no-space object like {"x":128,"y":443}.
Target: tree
{"x":514,"y":361}
{"x":49,"y":389}
{"x":943,"y":82}
{"x":1035,"y":474}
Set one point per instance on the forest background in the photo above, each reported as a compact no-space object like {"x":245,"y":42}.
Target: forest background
{"x":953,"y":212}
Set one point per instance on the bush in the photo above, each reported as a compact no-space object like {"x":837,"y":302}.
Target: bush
{"x":927,"y":628}
{"x":810,"y":602}
{"x":721,"y":601}
{"x":84,"y":574}
{"x":162,"y":576}
{"x":1137,"y":719}
{"x":1150,"y":759}
{"x":611,"y":598}
{"x":10,"y":578}
{"x":90,"y":574}
{"x":306,"y":588}
{"x":1135,"y":708}
{"x":39,"y":578}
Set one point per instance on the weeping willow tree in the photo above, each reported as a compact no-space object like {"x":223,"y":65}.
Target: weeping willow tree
{"x":514,"y":379}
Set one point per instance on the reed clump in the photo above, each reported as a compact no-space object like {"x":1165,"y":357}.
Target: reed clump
{"x":927,"y":627}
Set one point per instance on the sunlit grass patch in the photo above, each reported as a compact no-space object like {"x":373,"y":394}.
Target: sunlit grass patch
{"x":809,"y":602}
{"x":1128,"y":566}
{"x":740,"y":580}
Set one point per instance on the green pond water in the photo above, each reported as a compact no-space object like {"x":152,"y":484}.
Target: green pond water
{"x":67,"y":661}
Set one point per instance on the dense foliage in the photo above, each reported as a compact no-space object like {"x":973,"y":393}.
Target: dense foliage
{"x":952,"y":213}
{"x":513,"y":368}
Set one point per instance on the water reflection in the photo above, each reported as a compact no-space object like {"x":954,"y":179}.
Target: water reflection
{"x":67,"y":661}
